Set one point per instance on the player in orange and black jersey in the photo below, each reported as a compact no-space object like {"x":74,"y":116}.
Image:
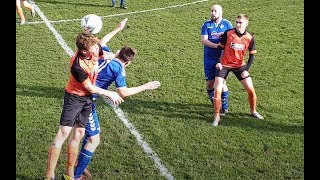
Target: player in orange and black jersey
{"x":235,"y":43}
{"x":78,"y":102}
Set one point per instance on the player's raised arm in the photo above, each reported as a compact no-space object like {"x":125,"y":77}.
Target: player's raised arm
{"x":106,"y":38}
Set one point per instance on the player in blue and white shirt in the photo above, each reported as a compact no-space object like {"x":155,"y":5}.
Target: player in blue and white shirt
{"x":211,"y":32}
{"x":109,"y":72}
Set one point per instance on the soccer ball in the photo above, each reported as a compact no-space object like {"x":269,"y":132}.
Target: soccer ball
{"x":92,"y":22}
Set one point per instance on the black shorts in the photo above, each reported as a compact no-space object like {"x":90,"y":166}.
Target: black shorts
{"x":236,"y":71}
{"x":76,"y":109}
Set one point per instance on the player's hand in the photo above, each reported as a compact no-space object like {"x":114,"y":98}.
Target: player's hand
{"x":219,"y":66}
{"x":115,"y":98}
{"x":122,"y":23}
{"x":244,"y":74}
{"x":153,"y":85}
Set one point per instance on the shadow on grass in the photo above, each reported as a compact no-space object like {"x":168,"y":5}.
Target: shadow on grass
{"x":39,"y":91}
{"x":181,"y":110}
{"x":204,"y":112}
{"x":22,"y":177}
{"x":245,"y":121}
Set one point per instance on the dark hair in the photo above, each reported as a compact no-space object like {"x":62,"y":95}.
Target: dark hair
{"x":127,"y":53}
{"x":85,"y":40}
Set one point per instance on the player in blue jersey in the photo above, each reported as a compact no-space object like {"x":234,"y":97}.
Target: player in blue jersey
{"x":122,"y":4}
{"x":112,"y":71}
{"x":211,"y":32}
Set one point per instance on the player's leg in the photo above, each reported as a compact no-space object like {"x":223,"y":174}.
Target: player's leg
{"x":55,"y":148}
{"x":20,"y":12}
{"x":113,"y":3}
{"x":224,"y":98}
{"x":73,"y":149}
{"x":85,"y":156}
{"x":26,"y":4}
{"x":89,"y":145}
{"x":210,"y":89}
{"x":217,"y":99}
{"x":82,"y":118}
{"x":252,"y":97}
{"x":122,"y":4}
{"x":218,"y":85}
{"x":71,"y":108}
{"x":248,"y":86}
{"x":209,"y":72}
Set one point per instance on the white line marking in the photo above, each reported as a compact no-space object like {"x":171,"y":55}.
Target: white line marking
{"x":53,"y":30}
{"x":117,"y":110}
{"x":122,"y":14}
{"x":147,"y":149}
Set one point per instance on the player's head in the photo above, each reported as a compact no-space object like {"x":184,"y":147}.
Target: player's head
{"x":127,"y":54}
{"x":87,"y":44}
{"x":216,"y":12}
{"x":242,"y":21}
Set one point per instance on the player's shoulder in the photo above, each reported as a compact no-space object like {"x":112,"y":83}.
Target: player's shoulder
{"x":249,"y":33}
{"x":226,"y":21}
{"x":232,"y":30}
{"x":208,"y":21}
{"x":115,"y":65}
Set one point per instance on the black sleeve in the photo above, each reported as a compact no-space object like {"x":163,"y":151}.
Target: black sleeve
{"x":219,"y":50}
{"x":223,"y":39}
{"x":250,"y":60}
{"x":78,"y":73}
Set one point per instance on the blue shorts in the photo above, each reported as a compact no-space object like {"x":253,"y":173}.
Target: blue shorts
{"x":93,"y":126}
{"x":210,"y":70}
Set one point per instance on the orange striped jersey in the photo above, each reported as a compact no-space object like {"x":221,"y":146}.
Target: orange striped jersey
{"x":82,"y":71}
{"x":235,"y":46}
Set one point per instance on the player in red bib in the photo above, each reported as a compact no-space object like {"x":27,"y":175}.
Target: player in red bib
{"x":235,"y":43}
{"x":78,"y":102}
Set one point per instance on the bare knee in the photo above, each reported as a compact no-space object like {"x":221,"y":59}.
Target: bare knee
{"x":92,"y":143}
{"x":78,"y":134}
{"x":61,"y":136}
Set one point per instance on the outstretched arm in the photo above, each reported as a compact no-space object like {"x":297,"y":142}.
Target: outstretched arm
{"x":106,"y":38}
{"x":125,"y":91}
{"x":115,"y":98}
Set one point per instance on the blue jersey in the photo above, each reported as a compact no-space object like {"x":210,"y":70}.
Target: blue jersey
{"x":110,"y":72}
{"x":214,"y":32}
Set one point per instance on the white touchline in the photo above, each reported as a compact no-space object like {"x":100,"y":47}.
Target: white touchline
{"x":113,"y":15}
{"x":147,"y":149}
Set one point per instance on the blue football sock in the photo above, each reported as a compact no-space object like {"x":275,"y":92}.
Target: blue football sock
{"x":84,"y":159}
{"x":224,"y":100}
{"x":210,"y":93}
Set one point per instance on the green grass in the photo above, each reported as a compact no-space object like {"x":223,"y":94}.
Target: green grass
{"x":175,"y":120}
